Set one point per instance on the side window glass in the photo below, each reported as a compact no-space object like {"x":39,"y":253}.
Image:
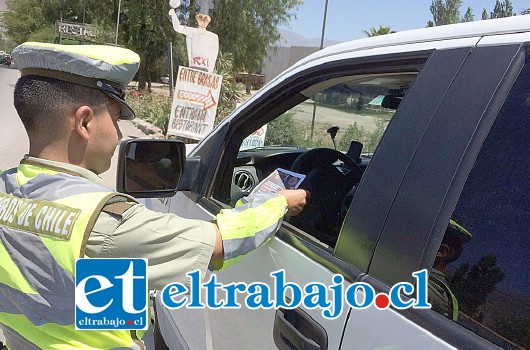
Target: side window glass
{"x":481,"y":275}
{"x":330,"y":138}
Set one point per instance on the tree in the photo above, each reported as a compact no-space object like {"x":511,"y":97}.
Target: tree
{"x":516,"y":328}
{"x":381,"y":31}
{"x":502,"y":9}
{"x":354,"y":132}
{"x":445,"y":12}
{"x":472,"y":286}
{"x":232,"y":92}
{"x":25,"y":17}
{"x":468,"y":17}
{"x":283,"y":130}
{"x":485,"y":14}
{"x":146,"y":30}
{"x":525,"y":11}
{"x":144,"y":27}
{"x":247,"y":28}
{"x":30,"y":21}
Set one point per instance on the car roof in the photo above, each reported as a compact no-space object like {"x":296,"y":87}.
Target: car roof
{"x":511,"y":29}
{"x":499,"y":26}
{"x":508,"y":30}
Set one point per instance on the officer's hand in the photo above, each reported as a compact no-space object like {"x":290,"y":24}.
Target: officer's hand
{"x":296,"y":200}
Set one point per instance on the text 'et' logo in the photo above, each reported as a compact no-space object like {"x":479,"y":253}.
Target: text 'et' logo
{"x":111,"y":294}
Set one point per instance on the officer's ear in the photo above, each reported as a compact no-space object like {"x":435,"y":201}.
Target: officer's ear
{"x":82,"y":118}
{"x":443,"y":251}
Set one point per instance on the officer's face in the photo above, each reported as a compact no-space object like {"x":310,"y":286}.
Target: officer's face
{"x":105,"y":138}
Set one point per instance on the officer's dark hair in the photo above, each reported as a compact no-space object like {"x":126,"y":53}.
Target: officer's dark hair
{"x":455,"y":247}
{"x":43,"y":103}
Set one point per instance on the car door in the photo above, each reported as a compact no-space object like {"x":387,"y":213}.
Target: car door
{"x":470,"y":167}
{"x":304,"y":258}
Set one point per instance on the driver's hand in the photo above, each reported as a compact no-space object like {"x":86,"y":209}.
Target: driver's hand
{"x":296,"y":200}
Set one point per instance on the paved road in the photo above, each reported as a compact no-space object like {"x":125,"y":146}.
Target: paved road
{"x":327,"y":117}
{"x":13,"y":139}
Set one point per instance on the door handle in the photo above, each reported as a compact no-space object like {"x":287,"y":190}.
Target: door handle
{"x":295,"y":329}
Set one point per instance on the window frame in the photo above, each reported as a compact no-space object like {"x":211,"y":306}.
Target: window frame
{"x":403,"y":230}
{"x":272,"y":104}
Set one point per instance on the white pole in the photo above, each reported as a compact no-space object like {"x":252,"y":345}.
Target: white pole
{"x":117,"y":22}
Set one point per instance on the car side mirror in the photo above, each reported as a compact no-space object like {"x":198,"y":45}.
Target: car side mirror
{"x":150,"y":168}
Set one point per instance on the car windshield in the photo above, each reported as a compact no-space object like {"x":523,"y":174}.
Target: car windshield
{"x":357,"y":110}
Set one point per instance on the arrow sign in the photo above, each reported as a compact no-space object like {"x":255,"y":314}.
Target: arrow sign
{"x":207,"y":100}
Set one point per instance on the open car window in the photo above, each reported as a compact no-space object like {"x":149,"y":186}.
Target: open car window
{"x":329,"y":137}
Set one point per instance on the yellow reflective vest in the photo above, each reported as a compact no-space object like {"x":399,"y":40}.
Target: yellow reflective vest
{"x":45,"y":220}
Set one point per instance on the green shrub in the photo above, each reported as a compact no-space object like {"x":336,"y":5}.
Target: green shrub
{"x":156,"y":109}
{"x":354,"y":132}
{"x":151,"y":107}
{"x":370,"y":140}
{"x":283,"y":131}
{"x":232,"y":92}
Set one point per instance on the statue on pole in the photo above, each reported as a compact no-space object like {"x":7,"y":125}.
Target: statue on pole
{"x":202,"y":45}
{"x":197,"y":88}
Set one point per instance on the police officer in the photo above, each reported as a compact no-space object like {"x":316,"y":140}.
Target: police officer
{"x":54,"y":208}
{"x":440,"y":295}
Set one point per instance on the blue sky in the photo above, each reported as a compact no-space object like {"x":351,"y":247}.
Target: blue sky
{"x":346,"y":19}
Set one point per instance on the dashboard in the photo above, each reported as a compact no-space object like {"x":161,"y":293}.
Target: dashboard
{"x":253,"y":165}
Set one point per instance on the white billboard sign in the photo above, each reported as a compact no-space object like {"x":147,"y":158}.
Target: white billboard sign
{"x":195,"y":100}
{"x":256,"y":139}
{"x":76,"y":30}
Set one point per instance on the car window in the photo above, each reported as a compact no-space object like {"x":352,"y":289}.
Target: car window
{"x":329,"y":137}
{"x":480,"y":277}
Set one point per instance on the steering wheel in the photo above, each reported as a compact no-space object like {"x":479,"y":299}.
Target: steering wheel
{"x":328,"y":186}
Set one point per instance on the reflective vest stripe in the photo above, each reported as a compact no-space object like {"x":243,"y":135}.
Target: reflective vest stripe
{"x":454,"y":303}
{"x":54,"y":287}
{"x":37,"y":302}
{"x":253,"y":222}
{"x":35,"y":190}
{"x":248,"y":220}
{"x":52,"y":244}
{"x":25,"y":249}
{"x":16,"y":341}
{"x":36,"y":308}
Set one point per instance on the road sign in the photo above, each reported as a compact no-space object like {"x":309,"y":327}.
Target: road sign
{"x":195,"y":101}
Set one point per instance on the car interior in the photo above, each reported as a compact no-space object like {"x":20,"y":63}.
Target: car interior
{"x":330,"y":137}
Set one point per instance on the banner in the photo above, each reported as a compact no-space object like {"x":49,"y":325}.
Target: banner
{"x":76,"y":30}
{"x":195,"y":102}
{"x":256,"y":139}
